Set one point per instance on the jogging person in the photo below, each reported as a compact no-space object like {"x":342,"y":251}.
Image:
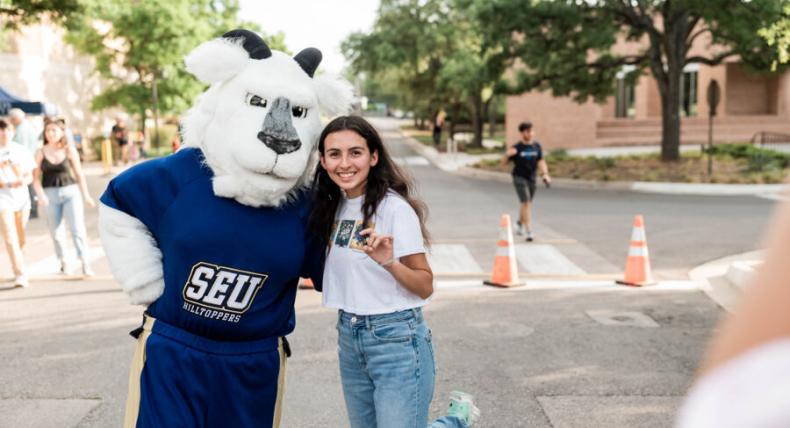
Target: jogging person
{"x":527,"y":157}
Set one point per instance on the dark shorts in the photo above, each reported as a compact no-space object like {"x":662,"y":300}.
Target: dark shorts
{"x":525,"y":188}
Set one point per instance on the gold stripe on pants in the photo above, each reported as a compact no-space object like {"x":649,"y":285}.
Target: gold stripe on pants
{"x":138,"y":362}
{"x":278,"y":405}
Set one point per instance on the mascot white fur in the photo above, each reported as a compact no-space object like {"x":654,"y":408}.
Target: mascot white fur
{"x":213,"y":239}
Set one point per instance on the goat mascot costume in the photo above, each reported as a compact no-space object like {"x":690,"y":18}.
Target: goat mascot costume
{"x":213,"y":239}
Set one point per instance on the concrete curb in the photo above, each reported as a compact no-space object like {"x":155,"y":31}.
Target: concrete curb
{"x":459,"y":164}
{"x":725,"y":280}
{"x":741,"y":273}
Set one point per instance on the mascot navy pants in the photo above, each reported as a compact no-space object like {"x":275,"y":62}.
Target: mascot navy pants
{"x":179,"y":379}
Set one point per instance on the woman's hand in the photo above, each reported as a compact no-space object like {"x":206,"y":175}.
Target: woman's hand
{"x":90,"y":202}
{"x":378,"y":247}
{"x":43,"y":201}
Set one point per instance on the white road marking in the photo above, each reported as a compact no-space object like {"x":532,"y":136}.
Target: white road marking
{"x":51,"y":264}
{"x":449,"y":258}
{"x":547,"y":284}
{"x":412,"y":160}
{"x":538,"y":258}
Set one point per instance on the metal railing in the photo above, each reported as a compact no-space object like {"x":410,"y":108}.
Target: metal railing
{"x":768,"y":139}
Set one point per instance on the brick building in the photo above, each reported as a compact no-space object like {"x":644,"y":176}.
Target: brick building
{"x":750,"y":103}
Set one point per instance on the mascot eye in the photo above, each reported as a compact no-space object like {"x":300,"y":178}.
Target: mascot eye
{"x":255,"y":100}
{"x":299,"y":112}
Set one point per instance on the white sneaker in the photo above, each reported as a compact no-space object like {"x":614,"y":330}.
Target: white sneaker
{"x":530,"y":236}
{"x":64,"y":268}
{"x":520,"y":231}
{"x":21,"y":281}
{"x":86,"y":270}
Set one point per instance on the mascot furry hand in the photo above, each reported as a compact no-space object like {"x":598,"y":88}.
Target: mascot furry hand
{"x":213,"y":239}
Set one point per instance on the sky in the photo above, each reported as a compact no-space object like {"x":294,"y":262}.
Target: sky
{"x":322,"y":24}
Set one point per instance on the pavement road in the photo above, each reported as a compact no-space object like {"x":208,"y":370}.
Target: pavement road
{"x":557,"y":353}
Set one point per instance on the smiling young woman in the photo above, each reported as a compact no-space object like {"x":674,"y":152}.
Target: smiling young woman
{"x":378,"y":278}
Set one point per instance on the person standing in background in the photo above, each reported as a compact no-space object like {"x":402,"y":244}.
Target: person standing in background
{"x":16,"y":167}
{"x":438,"y":122}
{"x":120,"y":139}
{"x":26,"y":136}
{"x":59,"y":181}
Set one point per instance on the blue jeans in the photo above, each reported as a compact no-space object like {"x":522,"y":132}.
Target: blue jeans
{"x":387,"y":370}
{"x":66,"y":202}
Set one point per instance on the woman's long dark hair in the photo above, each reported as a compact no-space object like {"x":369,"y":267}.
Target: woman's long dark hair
{"x":385,"y":175}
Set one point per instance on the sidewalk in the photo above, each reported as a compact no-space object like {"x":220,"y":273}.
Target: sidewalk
{"x":460,"y":163}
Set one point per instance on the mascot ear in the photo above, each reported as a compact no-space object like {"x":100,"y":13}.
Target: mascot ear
{"x":309,"y":59}
{"x":335,"y":94}
{"x":220,"y":59}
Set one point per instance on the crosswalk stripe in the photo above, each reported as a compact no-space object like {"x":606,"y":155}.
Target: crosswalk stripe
{"x":448,"y":258}
{"x":537,"y":258}
{"x":51,"y":264}
{"x":412,"y":160}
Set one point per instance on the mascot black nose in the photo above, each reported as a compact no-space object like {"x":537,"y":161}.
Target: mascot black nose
{"x":278,"y":131}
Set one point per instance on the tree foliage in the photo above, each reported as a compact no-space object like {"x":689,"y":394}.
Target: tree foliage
{"x":567,"y":45}
{"x":778,"y":35}
{"x":436,"y":53}
{"x":15,"y":13}
{"x":139,"y":48}
{"x":407,"y":43}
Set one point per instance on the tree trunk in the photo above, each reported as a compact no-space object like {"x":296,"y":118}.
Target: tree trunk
{"x":477,"y":120}
{"x":155,"y":96}
{"x":491,"y":110}
{"x":670,"y":80}
{"x":670,"y":122}
{"x":456,"y":109}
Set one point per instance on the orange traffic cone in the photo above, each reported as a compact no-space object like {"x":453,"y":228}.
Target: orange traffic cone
{"x":306,"y":283}
{"x":505,"y":273}
{"x":637,"y":266}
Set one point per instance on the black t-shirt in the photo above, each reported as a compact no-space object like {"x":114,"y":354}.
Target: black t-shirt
{"x":525,"y":161}
{"x":120,"y":134}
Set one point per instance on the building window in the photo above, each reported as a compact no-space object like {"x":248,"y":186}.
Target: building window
{"x":688,"y":90}
{"x":625,"y":97}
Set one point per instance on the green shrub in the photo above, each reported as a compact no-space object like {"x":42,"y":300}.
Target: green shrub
{"x":604,"y":163}
{"x":759,"y":159}
{"x":557,"y":155}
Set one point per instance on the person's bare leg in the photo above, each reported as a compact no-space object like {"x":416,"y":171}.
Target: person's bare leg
{"x":526,"y":214}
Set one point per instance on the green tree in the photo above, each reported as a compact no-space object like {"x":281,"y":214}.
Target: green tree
{"x":15,"y":13}
{"x":566,"y":45}
{"x":408,"y":40}
{"x":778,"y":34}
{"x":438,"y":55}
{"x":139,"y":49}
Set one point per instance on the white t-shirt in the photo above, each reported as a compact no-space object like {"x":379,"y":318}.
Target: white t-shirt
{"x":15,"y":161}
{"x":352,"y":280}
{"x":752,"y":390}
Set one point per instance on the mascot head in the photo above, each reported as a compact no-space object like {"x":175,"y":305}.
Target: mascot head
{"x":258,"y":123}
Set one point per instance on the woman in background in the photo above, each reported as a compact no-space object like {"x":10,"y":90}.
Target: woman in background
{"x":61,"y":188}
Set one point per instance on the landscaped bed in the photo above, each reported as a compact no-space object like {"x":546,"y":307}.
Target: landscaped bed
{"x":732,"y":163}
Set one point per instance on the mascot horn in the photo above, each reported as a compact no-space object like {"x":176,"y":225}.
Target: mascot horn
{"x":212,"y":240}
